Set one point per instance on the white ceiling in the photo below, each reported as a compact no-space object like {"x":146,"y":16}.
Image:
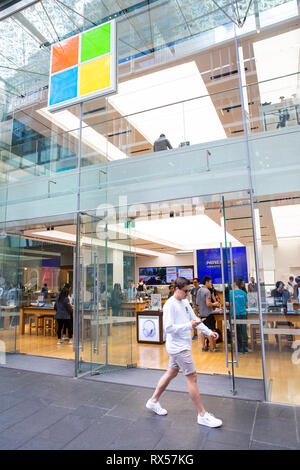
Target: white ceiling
{"x":191,"y":232}
{"x":180,"y":122}
{"x":278,"y":56}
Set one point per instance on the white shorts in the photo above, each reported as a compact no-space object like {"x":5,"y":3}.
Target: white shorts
{"x":184,"y":361}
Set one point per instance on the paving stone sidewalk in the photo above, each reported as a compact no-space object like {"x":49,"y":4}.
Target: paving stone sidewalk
{"x":42,"y":411}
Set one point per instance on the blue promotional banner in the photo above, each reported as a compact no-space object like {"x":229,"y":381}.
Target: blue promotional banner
{"x":209,"y":264}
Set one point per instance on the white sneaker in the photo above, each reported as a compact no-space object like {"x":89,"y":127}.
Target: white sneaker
{"x":59,"y":341}
{"x":70,"y":341}
{"x":156,"y":408}
{"x":209,"y":420}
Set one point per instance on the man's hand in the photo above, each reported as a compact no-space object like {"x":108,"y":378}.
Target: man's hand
{"x":195,"y":323}
{"x":215,"y":335}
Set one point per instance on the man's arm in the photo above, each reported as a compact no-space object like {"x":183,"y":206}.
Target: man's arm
{"x":209,"y":303}
{"x":200,"y":326}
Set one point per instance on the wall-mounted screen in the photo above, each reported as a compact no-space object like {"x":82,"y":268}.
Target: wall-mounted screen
{"x":165,"y":275}
{"x":209,"y":264}
{"x":153,"y":276}
{"x":187,"y":272}
{"x":179,"y":271}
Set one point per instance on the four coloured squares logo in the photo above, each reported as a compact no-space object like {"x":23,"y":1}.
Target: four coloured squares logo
{"x":83,"y":67}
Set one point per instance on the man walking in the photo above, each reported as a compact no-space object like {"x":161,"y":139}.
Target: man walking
{"x":178,"y":320}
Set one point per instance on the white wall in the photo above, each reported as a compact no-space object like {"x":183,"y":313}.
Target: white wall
{"x":287,"y":258}
{"x":277,"y":263}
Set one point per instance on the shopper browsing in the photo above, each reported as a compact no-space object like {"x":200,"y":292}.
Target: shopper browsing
{"x":241,"y":305}
{"x":205,"y":304}
{"x":178,"y":320}
{"x":63,"y":315}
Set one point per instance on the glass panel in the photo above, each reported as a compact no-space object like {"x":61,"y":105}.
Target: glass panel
{"x":36,"y":262}
{"x":107,"y":295}
{"x":244,"y":309}
{"x":10,"y":294}
{"x":278,"y":216}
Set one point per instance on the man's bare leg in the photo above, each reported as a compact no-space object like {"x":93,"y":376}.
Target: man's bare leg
{"x":194,"y":392}
{"x":212,"y":343}
{"x":163,"y":383}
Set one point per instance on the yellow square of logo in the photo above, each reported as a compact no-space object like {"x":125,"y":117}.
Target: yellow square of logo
{"x":95,"y":75}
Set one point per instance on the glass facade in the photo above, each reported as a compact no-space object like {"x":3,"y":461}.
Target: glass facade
{"x":221,"y":82}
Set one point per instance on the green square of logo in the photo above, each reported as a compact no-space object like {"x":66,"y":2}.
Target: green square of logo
{"x":95,"y":42}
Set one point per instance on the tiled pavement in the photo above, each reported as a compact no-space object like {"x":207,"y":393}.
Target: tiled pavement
{"x":42,"y":411}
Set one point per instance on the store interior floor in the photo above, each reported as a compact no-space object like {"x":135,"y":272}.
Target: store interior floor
{"x":283,"y":379}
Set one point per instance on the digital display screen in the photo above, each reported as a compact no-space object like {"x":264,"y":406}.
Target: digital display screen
{"x":165,"y":275}
{"x":153,"y":276}
{"x":209,"y":264}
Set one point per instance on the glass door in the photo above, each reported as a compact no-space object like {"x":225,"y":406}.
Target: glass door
{"x":106,"y":301}
{"x":243,"y":348}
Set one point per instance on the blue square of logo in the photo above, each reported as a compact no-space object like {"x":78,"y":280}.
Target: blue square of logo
{"x":63,"y":86}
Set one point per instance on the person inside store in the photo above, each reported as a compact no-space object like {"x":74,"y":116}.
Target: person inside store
{"x":280,"y":295}
{"x":178,"y":320}
{"x":214,"y":293}
{"x":116,"y":300}
{"x":71,"y":299}
{"x":242,"y":285}
{"x":290,"y":285}
{"x":296,"y":295}
{"x":131,"y":291}
{"x":252,"y":286}
{"x":44,"y":291}
{"x":141,"y":287}
{"x":241,"y":304}
{"x":205,"y":304}
{"x":171,"y":291}
{"x":64,"y":313}
{"x":194,"y":292}
{"x":162,"y":143}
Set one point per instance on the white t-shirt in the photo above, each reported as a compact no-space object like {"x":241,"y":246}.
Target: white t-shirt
{"x":177,"y":316}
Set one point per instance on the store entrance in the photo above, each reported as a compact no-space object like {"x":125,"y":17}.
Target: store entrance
{"x":204,"y":236}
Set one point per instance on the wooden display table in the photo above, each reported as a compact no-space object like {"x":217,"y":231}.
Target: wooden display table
{"x":37,"y":311}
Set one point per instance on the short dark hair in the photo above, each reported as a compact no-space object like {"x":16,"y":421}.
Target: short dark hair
{"x":196,"y":279}
{"x":206,"y":279}
{"x":181,"y":282}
